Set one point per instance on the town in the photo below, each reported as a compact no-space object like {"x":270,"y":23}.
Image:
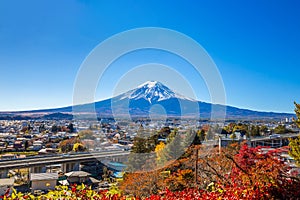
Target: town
{"x":71,"y":152}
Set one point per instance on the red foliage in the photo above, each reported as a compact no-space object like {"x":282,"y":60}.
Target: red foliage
{"x":254,"y":175}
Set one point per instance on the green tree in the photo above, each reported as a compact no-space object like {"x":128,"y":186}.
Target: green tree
{"x":138,"y":155}
{"x":297,"y":111}
{"x":193,"y":138}
{"x":263,"y":130}
{"x":255,"y":131}
{"x":175,"y":149}
{"x":295,"y":149}
{"x":210,"y":134}
{"x":189,"y":138}
{"x":152,"y":141}
{"x":199,"y":137}
{"x":139,"y":145}
{"x":281,"y":129}
{"x":55,"y":129}
{"x":295,"y":143}
{"x":71,"y":128}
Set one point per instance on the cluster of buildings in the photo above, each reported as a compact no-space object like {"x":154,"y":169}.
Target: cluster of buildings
{"x":41,"y":137}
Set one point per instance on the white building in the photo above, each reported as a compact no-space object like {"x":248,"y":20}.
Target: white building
{"x":43,"y":181}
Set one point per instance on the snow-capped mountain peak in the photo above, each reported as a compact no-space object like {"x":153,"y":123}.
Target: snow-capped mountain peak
{"x":149,"y":84}
{"x":152,"y":91}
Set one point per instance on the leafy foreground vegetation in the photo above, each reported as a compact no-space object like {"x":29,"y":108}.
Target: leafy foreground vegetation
{"x":238,"y":172}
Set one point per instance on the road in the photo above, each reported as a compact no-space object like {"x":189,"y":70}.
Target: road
{"x":59,"y":159}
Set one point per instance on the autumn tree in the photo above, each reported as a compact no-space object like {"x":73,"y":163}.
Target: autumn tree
{"x":160,"y":154}
{"x":141,"y":184}
{"x":180,"y":180}
{"x":237,"y":172}
{"x":78,"y":147}
{"x":244,"y":168}
{"x":67,"y":145}
{"x":253,"y":169}
{"x":241,"y":128}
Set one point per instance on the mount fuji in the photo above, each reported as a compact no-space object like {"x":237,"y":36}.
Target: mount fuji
{"x":153,"y":92}
{"x":155,"y":99}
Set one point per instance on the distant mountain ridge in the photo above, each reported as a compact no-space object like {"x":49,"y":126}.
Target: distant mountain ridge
{"x":154,"y":98}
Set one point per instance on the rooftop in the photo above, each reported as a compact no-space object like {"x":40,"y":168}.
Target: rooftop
{"x":6,"y":181}
{"x":43,"y":176}
{"x":77,"y":174}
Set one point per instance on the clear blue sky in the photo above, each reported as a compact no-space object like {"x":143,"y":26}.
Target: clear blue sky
{"x":255,"y":44}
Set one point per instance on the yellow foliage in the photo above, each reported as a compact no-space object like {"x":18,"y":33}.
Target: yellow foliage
{"x":160,"y":147}
{"x":159,"y":151}
{"x":78,"y":147}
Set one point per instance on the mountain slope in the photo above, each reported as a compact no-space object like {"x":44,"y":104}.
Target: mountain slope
{"x":154,"y":98}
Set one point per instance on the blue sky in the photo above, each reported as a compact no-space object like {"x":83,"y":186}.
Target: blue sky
{"x":255,"y":45}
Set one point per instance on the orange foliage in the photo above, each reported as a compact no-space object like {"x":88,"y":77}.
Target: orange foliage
{"x":141,"y":184}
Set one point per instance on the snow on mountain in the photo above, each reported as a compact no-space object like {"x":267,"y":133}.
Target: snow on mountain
{"x":152,"y":91}
{"x":141,"y":100}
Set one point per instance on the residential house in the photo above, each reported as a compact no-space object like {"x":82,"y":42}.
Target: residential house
{"x":78,"y":177}
{"x":43,"y":181}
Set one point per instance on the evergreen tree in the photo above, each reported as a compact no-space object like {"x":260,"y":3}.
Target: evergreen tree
{"x":139,"y":154}
{"x":71,"y":128}
{"x":297,"y":111}
{"x":189,"y":138}
{"x":255,"y":131}
{"x":139,"y":145}
{"x":152,"y":141}
{"x":295,"y":149}
{"x":201,"y":135}
{"x":263,"y":130}
{"x":295,"y":143}
{"x":174,"y":149}
{"x":210,"y":135}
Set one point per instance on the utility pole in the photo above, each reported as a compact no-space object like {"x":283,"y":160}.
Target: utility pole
{"x":196,"y":167}
{"x":220,"y":144}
